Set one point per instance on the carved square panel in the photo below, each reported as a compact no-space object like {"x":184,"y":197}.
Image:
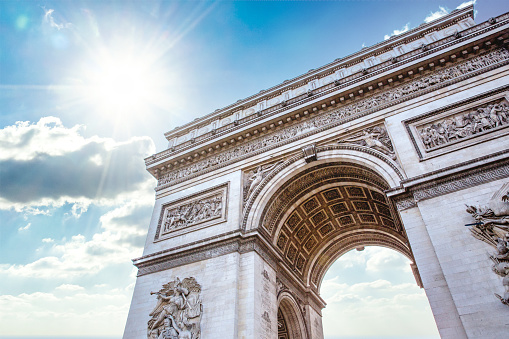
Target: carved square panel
{"x":346,"y":220}
{"x":281,"y":241}
{"x":339,"y":208}
{"x":368,"y":218}
{"x":318,"y":217}
{"x":292,"y":252}
{"x":301,"y":261}
{"x":355,"y":192}
{"x":361,"y":205}
{"x":383,"y":209}
{"x":332,"y":194}
{"x":293,"y":220}
{"x":377,"y":196}
{"x":193,"y":212}
{"x":302,"y":233}
{"x":310,"y":205}
{"x":308,"y":246}
{"x":468,"y":122}
{"x":325,"y":229}
{"x":387,"y":222}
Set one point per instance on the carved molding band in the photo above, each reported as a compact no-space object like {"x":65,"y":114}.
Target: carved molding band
{"x":477,"y":176}
{"x":335,"y":117}
{"x":221,"y":247}
{"x":190,"y":213}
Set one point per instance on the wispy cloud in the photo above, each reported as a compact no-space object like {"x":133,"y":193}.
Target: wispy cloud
{"x":24,"y":228}
{"x":398,"y":31}
{"x":442,"y":11}
{"x":49,"y":20}
{"x":466,"y":4}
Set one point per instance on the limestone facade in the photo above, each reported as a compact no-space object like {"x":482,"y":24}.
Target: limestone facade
{"x":384,"y":147}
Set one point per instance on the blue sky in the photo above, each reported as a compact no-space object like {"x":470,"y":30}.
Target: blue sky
{"x":87,"y":89}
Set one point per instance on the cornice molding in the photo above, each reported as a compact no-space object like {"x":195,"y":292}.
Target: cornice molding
{"x":406,"y":58}
{"x":164,"y":260}
{"x":442,"y":182}
{"x":335,"y":117}
{"x":352,"y":59}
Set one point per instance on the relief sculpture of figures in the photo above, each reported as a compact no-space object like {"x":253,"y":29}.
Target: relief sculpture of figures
{"x":460,"y":126}
{"x":374,"y":137}
{"x":255,"y":177}
{"x":492,"y":226}
{"x":178,"y":311}
{"x":193,"y":213}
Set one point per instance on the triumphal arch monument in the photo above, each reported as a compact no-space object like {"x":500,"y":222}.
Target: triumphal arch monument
{"x":400,"y":145}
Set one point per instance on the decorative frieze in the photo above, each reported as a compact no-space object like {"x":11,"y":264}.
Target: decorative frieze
{"x":178,"y":311}
{"x":334,"y":117}
{"x":492,"y":226}
{"x":477,"y":119}
{"x":196,"y":211}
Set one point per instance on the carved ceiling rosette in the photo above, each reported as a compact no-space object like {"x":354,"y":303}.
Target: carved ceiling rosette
{"x":178,"y":311}
{"x":492,"y":226}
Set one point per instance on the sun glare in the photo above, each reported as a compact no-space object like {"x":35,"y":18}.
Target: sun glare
{"x":121,"y":83}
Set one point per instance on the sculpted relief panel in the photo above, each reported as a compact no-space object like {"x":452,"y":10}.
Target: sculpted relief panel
{"x":492,"y":226}
{"x":470,"y":121}
{"x":373,"y":137}
{"x":334,"y":117}
{"x":200,"y":210}
{"x":177,"y":314}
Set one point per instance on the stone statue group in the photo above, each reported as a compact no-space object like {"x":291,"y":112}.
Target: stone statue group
{"x":178,"y":311}
{"x":492,"y":227}
{"x":464,"y":125}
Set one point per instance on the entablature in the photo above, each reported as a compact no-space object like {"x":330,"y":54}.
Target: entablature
{"x":424,"y":76}
{"x":215,"y":125}
{"x":474,"y":41}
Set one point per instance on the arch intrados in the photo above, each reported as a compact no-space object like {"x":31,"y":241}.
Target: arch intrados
{"x":307,"y":195}
{"x":344,"y":155}
{"x":335,"y":249}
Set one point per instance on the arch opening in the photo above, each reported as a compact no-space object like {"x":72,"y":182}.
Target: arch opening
{"x":374,"y":285}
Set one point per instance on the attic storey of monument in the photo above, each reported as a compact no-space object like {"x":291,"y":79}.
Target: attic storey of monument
{"x":255,"y":201}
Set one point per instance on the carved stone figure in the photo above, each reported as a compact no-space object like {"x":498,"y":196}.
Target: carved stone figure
{"x":374,"y":137}
{"x":178,"y":311}
{"x":492,"y":227}
{"x":255,"y":177}
{"x":465,"y":124}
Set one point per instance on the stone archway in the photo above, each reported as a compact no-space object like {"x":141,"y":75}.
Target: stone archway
{"x":291,"y":324}
{"x":322,"y":212}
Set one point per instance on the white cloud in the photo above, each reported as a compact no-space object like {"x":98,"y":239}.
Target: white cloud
{"x":48,"y":240}
{"x":69,"y":287}
{"x":398,"y":31}
{"x":49,"y":20}
{"x":45,"y":166}
{"x":442,"y":11}
{"x":123,"y":235}
{"x":24,"y":228}
{"x":46,"y":312}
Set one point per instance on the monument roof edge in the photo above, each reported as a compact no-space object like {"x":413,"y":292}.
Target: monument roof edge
{"x":395,"y":40}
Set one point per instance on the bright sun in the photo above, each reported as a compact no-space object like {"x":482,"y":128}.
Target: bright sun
{"x":122,"y":83}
